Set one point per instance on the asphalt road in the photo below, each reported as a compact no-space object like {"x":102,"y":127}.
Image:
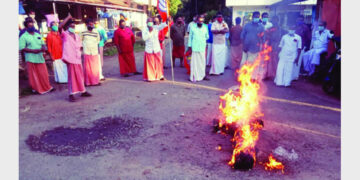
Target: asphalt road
{"x":175,"y":139}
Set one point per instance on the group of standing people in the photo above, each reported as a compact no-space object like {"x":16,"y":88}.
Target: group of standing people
{"x":66,"y":49}
{"x":282,"y":48}
{"x":206,"y":45}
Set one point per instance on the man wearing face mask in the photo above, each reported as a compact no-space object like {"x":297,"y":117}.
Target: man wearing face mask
{"x":290,"y":45}
{"x":197,"y":44}
{"x":252,"y":36}
{"x":219,"y":49}
{"x":124,"y":40}
{"x":265,"y":21}
{"x":54,"y":44}
{"x":91,"y":40}
{"x":177,"y":35}
{"x":72,"y":57}
{"x":33,"y":46}
{"x":320,"y":44}
{"x":153,"y":64}
{"x":25,"y":26}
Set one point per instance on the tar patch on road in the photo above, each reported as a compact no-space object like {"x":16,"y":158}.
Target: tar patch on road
{"x":108,"y":132}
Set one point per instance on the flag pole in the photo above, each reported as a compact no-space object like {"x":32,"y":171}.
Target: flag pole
{"x":171,"y":59}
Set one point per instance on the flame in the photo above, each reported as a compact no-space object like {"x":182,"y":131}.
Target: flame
{"x":241,"y":107}
{"x":273,"y":164}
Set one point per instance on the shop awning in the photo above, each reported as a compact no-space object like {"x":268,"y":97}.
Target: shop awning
{"x":113,"y":4}
{"x":294,"y":2}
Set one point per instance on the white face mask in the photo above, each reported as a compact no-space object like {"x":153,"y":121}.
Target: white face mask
{"x":32,"y":16}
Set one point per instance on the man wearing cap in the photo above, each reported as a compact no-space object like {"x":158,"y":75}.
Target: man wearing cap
{"x":218,"y":60}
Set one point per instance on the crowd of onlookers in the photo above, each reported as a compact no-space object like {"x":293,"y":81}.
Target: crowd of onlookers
{"x":78,"y":57}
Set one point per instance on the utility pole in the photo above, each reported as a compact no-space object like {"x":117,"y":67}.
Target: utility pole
{"x":150,"y":7}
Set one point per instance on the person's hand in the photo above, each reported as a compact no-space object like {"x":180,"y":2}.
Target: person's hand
{"x":189,"y":50}
{"x":36,"y":51}
{"x":296,"y":62}
{"x":65,"y":61}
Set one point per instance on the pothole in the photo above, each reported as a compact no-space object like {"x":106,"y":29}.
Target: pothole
{"x":107,"y":132}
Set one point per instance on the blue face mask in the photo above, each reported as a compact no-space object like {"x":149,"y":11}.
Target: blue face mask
{"x":321,"y":28}
{"x":72,"y":30}
{"x":291,"y":32}
{"x":150,"y":24}
{"x":256,"y":20}
{"x":265,"y":19}
{"x":31,"y":29}
{"x":55,"y":28}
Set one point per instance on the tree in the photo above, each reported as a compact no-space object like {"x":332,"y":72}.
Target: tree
{"x":193,"y":7}
{"x":174,"y":5}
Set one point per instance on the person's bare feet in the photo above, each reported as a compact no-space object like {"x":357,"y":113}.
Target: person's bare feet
{"x":86,"y":94}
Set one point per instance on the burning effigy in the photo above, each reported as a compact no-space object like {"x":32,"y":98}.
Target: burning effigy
{"x":241,"y":114}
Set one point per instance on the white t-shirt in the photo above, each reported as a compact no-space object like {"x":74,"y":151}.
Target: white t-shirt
{"x":289,"y":47}
{"x":219,"y":38}
{"x":152,"y":44}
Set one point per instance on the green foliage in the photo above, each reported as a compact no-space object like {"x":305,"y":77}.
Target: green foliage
{"x":110,"y":49}
{"x":174,"y":5}
{"x":209,"y":15}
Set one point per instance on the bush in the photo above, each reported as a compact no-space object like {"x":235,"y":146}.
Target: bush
{"x":111,"y":50}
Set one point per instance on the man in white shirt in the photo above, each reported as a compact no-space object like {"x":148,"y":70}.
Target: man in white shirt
{"x":153,"y":64}
{"x":290,"y":45}
{"x":320,"y":41}
{"x":218,"y":59}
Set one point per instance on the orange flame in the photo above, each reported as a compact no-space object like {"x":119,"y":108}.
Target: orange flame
{"x":242,"y":107}
{"x":273,"y":164}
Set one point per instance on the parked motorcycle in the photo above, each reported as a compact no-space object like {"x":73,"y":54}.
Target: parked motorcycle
{"x":332,"y":80}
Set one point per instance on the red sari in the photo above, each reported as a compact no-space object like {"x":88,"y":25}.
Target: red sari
{"x":125,"y":40}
